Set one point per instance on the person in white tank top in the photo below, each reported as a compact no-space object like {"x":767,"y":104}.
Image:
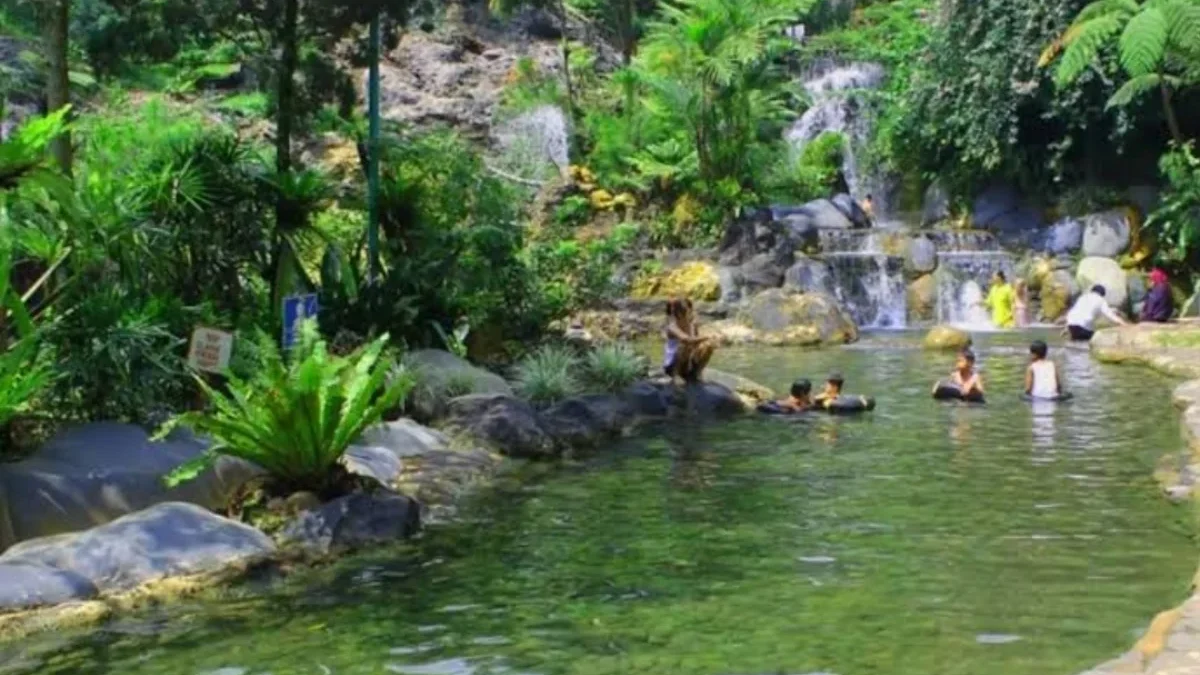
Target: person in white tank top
{"x":1041,"y":378}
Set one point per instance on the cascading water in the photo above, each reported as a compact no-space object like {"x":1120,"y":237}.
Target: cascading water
{"x":964,"y":271}
{"x":833,"y":86}
{"x":867,"y":282}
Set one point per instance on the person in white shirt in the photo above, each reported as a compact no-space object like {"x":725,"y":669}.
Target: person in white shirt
{"x":1042,"y":380}
{"x":1081,"y":320}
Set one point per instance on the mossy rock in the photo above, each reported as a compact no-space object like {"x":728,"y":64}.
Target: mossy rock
{"x":946,"y":338}
{"x":695,"y":280}
{"x":1058,"y":289}
{"x":922,"y":296}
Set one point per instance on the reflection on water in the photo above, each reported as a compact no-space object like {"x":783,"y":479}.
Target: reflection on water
{"x":924,"y":538}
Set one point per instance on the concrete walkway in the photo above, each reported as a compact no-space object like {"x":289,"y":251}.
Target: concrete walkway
{"x":1171,"y":646}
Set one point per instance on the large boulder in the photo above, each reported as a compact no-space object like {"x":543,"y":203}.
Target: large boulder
{"x":709,"y":399}
{"x":94,"y":473}
{"x":765,"y":271}
{"x":824,"y":214}
{"x":936,"y":205}
{"x":1058,"y":291}
{"x":505,"y":423}
{"x":697,"y":280}
{"x":922,"y":296}
{"x":946,"y":338}
{"x":921,"y":255}
{"x":405,"y":439}
{"x":751,"y":392}
{"x":585,"y":421}
{"x":751,"y":235}
{"x":1106,"y":234}
{"x":809,"y":275}
{"x":441,"y":376}
{"x":171,"y":539}
{"x":731,"y":283}
{"x":1064,"y":237}
{"x":648,"y":399}
{"x":24,"y":586}
{"x":1001,"y":210}
{"x":790,"y":318}
{"x":353,"y":521}
{"x":851,"y":209}
{"x":1107,"y":273}
{"x":803,"y":232}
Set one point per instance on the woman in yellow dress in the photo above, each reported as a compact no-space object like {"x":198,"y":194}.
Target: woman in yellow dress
{"x":1000,"y":299}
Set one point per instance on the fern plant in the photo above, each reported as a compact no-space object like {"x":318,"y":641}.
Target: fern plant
{"x":548,"y":375}
{"x":296,"y":417}
{"x":612,"y":367}
{"x":1158,"y":46}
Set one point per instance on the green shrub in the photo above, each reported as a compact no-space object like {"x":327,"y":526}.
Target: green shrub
{"x":548,"y":375}
{"x":298,"y":415}
{"x":23,"y":376}
{"x":612,"y":367}
{"x":1175,"y":225}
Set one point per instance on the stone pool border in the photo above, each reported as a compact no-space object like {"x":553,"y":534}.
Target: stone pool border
{"x":1171,"y":644}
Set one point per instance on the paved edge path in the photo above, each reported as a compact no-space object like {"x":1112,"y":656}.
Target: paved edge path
{"x":1171,"y":645}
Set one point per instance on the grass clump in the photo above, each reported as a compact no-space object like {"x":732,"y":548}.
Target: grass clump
{"x":548,"y":375}
{"x":612,"y":367}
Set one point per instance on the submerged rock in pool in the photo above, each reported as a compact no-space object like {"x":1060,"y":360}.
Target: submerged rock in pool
{"x":508,"y":424}
{"x":946,"y":337}
{"x":166,"y":540}
{"x":354,"y":521}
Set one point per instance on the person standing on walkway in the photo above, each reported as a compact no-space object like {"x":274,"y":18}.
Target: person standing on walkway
{"x":1000,"y":300}
{"x":1081,"y":320}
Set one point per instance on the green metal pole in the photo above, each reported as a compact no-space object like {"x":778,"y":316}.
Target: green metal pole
{"x":373,"y":155}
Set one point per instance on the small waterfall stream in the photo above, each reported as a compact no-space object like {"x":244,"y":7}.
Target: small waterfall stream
{"x":869,"y":280}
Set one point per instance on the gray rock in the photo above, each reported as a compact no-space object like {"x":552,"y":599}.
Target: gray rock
{"x":508,"y":424}
{"x":166,"y":540}
{"x":1064,"y":237}
{"x":354,"y":521}
{"x":1107,"y":273}
{"x":808,"y":275}
{"x":802,"y":229}
{"x":1105,"y":234}
{"x":1136,"y":288}
{"x":1001,"y":210}
{"x":650,"y":400}
{"x":373,"y":462}
{"x":731,"y":283}
{"x":764,"y":271}
{"x":851,"y":210}
{"x":825,"y":214}
{"x":572,"y":424}
{"x":614,"y":413}
{"x":23,"y":586}
{"x":709,"y":399}
{"x":94,"y":473}
{"x":405,"y":438}
{"x":936,"y":205}
{"x":922,"y":255}
{"x":441,"y":376}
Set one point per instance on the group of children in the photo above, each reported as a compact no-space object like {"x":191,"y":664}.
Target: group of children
{"x":1042,"y":379}
{"x":800,"y":397}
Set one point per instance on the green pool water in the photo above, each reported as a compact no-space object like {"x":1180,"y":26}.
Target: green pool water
{"x":922,"y":539}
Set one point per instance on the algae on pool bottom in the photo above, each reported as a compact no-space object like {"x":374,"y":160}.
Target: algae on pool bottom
{"x":923,"y":539}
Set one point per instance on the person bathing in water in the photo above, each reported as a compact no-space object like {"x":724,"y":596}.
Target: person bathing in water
{"x":832,"y":390}
{"x":965,"y":377}
{"x":1021,"y":307}
{"x":800,"y":398}
{"x":686,"y":353}
{"x":1081,"y":320}
{"x":1041,"y":377}
{"x":1001,"y":299}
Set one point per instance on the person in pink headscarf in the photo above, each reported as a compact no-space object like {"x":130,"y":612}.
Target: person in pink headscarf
{"x":1158,"y":306}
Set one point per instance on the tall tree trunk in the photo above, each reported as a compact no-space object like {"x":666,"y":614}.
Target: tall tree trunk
{"x":1169,"y":111}
{"x":566,"y":59}
{"x":56,"y":20}
{"x":626,"y":18}
{"x":286,"y":87}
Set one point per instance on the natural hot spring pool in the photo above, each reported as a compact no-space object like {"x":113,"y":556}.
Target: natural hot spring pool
{"x":925,"y":539}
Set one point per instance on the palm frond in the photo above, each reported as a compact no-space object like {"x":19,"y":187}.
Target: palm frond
{"x":1083,"y":44}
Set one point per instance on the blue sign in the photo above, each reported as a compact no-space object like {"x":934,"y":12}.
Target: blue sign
{"x":297,"y":308}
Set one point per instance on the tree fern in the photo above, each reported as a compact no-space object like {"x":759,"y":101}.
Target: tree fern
{"x":1183,"y":21}
{"x":1083,"y":42}
{"x":1137,"y":86}
{"x":1144,"y":42}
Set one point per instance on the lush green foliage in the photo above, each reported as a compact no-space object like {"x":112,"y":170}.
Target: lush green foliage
{"x":1176,"y":223}
{"x":612,"y":367}
{"x":298,"y":415}
{"x":548,"y":375}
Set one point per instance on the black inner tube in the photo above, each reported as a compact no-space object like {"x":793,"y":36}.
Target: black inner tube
{"x":948,"y":391}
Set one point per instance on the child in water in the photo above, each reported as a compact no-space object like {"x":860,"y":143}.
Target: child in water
{"x":833,"y":389}
{"x":965,"y":377}
{"x":800,"y":398}
{"x":1041,"y":377}
{"x":1021,"y":306}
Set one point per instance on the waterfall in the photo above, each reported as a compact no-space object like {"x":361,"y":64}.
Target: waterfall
{"x":961,"y":277}
{"x":832,"y":88}
{"x":867,"y":282}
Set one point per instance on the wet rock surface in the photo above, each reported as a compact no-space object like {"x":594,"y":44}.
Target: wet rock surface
{"x":166,"y":540}
{"x":352,"y":522}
